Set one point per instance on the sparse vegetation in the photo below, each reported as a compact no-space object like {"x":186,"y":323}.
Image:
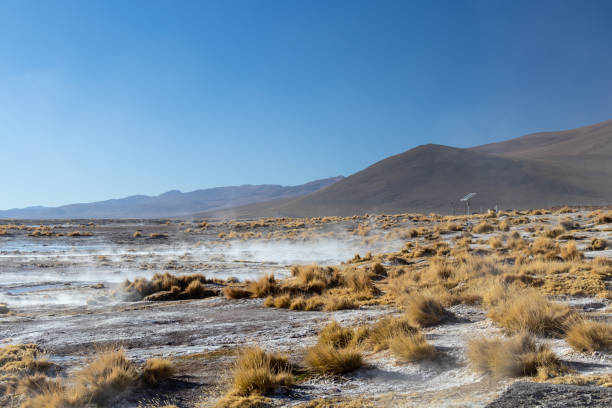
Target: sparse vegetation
{"x":168,"y":287}
{"x":411,"y":347}
{"x":589,"y":336}
{"x":336,"y":350}
{"x":513,"y":357}
{"x":527,"y":310}
{"x":157,"y":370}
{"x":257,"y":372}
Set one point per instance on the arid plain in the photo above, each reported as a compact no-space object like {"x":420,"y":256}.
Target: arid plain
{"x":373,"y":310}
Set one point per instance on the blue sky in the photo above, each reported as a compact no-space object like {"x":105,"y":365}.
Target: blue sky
{"x":104,"y":99}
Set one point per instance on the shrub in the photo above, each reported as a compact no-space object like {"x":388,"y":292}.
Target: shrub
{"x":483,"y":227}
{"x":386,"y":329}
{"x":589,"y":336}
{"x":258,"y":372}
{"x":137,"y":234}
{"x":570,"y":252}
{"x":326,"y":359}
{"x":336,"y":350}
{"x":337,"y":336}
{"x":425,"y":310}
{"x":195,"y":290}
{"x":233,"y":292}
{"x":157,"y":370}
{"x":333,"y":303}
{"x":104,"y":377}
{"x":266,"y":285}
{"x":282,"y":301}
{"x":411,"y":347}
{"x":495,"y":242}
{"x":177,"y":287}
{"x":513,"y":357}
{"x":527,"y":310}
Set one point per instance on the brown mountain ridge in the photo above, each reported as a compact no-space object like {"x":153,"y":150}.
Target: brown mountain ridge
{"x":571,"y":167}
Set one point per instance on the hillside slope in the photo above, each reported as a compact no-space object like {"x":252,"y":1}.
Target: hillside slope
{"x":572,"y":167}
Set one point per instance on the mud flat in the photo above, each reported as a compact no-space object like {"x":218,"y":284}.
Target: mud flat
{"x":62,"y":284}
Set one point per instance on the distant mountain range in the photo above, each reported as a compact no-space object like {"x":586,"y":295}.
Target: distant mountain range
{"x":572,"y":167}
{"x":171,"y":204}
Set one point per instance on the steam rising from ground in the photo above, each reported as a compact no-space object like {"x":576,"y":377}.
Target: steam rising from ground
{"x":39,"y":273}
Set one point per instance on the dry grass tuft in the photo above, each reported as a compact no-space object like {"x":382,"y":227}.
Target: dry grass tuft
{"x":570,"y":252}
{"x":326,"y":359}
{"x":495,"y":242}
{"x":336,"y":350}
{"x":107,"y":375}
{"x":411,"y":347}
{"x":527,"y":310}
{"x":167,"y":287}
{"x":265,"y":286}
{"x":386,"y":329}
{"x":157,"y":370}
{"x":483,"y":227}
{"x":513,"y":357}
{"x":589,"y":336}
{"x":233,"y":292}
{"x":257,"y":372}
{"x":425,"y":310}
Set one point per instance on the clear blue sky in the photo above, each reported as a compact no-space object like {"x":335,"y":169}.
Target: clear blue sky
{"x":104,"y":99}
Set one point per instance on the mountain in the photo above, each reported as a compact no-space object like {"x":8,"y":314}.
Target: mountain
{"x":571,"y":167}
{"x":172,"y":203}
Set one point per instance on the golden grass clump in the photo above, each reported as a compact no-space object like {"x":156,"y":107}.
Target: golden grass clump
{"x":527,"y":310}
{"x":424,"y":309}
{"x":233,"y":292}
{"x":381,"y":333}
{"x":137,"y":234}
{"x":173,"y":287}
{"x":314,"y":278}
{"x":589,"y":336}
{"x":79,"y":234}
{"x":336,"y":350}
{"x":513,"y":357}
{"x":495,"y":242}
{"x":326,"y":359}
{"x":570,"y":252}
{"x":107,"y":375}
{"x":23,"y":359}
{"x":265,"y":286}
{"x":257,"y":372}
{"x":157,"y":370}
{"x":483,"y":227}
{"x":411,"y":347}
{"x":332,"y":303}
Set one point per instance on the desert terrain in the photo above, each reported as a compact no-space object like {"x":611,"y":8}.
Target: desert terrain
{"x":492,"y":309}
